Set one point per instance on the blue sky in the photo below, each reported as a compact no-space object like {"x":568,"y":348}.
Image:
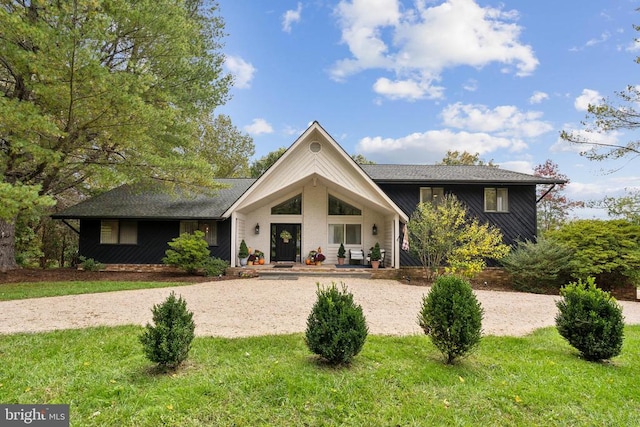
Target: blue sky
{"x":405,"y":81}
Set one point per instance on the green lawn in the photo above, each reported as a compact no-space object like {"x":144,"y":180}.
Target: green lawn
{"x":273,"y":380}
{"x":14,"y":291}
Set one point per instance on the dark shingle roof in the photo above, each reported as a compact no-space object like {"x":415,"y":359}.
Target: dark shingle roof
{"x":451,"y":174}
{"x":129,"y":202}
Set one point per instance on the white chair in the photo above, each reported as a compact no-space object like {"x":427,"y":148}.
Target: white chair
{"x":356,"y":255}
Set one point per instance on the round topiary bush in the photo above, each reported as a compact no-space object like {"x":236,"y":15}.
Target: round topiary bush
{"x":169,"y":341}
{"x":452,"y":317}
{"x":188,"y":252}
{"x":336,"y":327}
{"x":591,"y":320}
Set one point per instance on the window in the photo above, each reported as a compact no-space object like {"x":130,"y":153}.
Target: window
{"x":292,"y":206}
{"x":496,"y":200}
{"x":114,"y":232}
{"x":349,"y":234}
{"x":339,"y":207}
{"x":209,"y":229}
{"x":431,"y":194}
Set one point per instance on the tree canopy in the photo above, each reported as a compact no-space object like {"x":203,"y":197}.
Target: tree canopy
{"x":260,"y":166}
{"x":102,"y":92}
{"x":455,"y":158}
{"x":553,"y":206}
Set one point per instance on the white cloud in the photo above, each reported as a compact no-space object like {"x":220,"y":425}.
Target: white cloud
{"x":242,"y":71}
{"x":258,"y":126}
{"x":589,"y":96}
{"x":522,"y":166}
{"x":290,"y":17}
{"x":417,"y":45}
{"x":538,"y":97}
{"x":603,"y":38}
{"x":471,"y":85}
{"x":504,"y":120}
{"x":431,"y":146}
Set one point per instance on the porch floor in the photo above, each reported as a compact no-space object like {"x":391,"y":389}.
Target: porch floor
{"x":292,"y":270}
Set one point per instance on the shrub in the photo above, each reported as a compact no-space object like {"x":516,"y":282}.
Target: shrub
{"x":336,"y":327}
{"x":534,"y":266}
{"x":168,"y":342}
{"x":243,"y":252}
{"x":214,"y":267}
{"x":342,"y":251}
{"x":452,"y":317}
{"x":590,"y":320}
{"x":189,"y":252}
{"x":89,"y":264}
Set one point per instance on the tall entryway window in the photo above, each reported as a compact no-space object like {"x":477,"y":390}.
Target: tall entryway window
{"x":285,"y":242}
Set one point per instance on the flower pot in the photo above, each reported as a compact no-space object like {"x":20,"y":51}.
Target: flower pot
{"x":249,"y":262}
{"x":243,"y":261}
{"x":318,"y":262}
{"x":375,"y":264}
{"x":340,"y":261}
{"x":285,"y":240}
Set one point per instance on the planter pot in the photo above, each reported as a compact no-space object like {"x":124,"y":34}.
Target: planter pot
{"x":318,"y":262}
{"x":249,"y":262}
{"x":340,"y":261}
{"x":375,"y":264}
{"x":285,"y":240}
{"x":243,"y":261}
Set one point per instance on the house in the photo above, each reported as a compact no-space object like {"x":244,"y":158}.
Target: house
{"x":317,"y":193}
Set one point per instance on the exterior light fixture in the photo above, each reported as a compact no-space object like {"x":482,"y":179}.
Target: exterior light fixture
{"x":257,"y":228}
{"x":374,"y":230}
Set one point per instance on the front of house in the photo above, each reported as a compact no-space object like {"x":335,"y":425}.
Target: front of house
{"x":316,"y":194}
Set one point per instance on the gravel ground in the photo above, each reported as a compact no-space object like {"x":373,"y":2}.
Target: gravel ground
{"x":249,"y":307}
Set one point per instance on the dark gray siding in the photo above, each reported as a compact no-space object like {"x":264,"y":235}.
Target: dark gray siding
{"x":517,"y":224}
{"x":153,"y":237}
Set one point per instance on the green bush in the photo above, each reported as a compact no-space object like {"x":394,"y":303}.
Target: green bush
{"x":539,"y":266}
{"x":336,"y":327}
{"x":214,"y":267}
{"x":243,"y":252}
{"x":189,"y":252}
{"x":168,"y":342}
{"x":89,"y":264}
{"x":590,"y":320}
{"x":452,"y":317}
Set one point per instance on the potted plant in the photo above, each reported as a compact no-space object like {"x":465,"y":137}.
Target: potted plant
{"x":285,"y":236}
{"x":319,"y":258}
{"x":311,"y":258}
{"x":341,"y":254}
{"x":243,"y":253}
{"x":375,"y":256}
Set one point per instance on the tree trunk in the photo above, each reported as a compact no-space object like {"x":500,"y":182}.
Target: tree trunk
{"x":7,"y":245}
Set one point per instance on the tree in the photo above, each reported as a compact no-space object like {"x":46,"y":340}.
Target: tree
{"x":443,"y":234}
{"x":261,"y":165}
{"x":225,"y":147}
{"x":455,"y":158}
{"x":362,"y":160}
{"x":609,"y":117}
{"x":625,"y":207}
{"x":95,"y":93}
{"x":553,"y":205}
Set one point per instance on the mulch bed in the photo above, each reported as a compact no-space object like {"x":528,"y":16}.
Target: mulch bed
{"x":23,"y":275}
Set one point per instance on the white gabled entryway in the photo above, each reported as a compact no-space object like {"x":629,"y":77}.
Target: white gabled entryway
{"x":316,"y":168}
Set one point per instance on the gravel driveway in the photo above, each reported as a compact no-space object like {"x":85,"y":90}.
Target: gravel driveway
{"x":246,"y":307}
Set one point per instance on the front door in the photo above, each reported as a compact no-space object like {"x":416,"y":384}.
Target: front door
{"x":283,"y":248}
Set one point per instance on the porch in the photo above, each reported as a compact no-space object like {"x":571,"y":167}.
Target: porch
{"x":294,"y":270}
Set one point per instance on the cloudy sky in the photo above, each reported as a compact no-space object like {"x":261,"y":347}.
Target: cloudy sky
{"x":405,"y":81}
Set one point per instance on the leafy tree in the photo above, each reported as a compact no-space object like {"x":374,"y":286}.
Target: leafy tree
{"x":225,"y":147}
{"x":189,"y":252}
{"x":444,"y":234}
{"x":455,"y":158}
{"x":94,"y":93}
{"x":609,"y":117}
{"x":625,"y":207}
{"x":452,"y":317}
{"x":606,"y":250}
{"x":261,"y":165}
{"x":554,"y":206}
{"x":362,"y":160}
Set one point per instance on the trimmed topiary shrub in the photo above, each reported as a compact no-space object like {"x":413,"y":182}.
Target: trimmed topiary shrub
{"x":590,"y":320}
{"x":214,"y":267}
{"x":189,"y":252}
{"x":452,"y":317}
{"x":168,"y":341}
{"x":336,"y":327}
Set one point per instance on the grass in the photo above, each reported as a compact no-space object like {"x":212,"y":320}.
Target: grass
{"x":15,"y":291}
{"x":273,"y":380}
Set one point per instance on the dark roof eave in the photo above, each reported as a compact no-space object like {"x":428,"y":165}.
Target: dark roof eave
{"x":452,"y":181}
{"x":140,"y":218}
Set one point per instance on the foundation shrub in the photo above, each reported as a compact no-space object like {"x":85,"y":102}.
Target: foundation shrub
{"x":188,"y":252}
{"x":336,"y":326}
{"x":590,"y":320}
{"x":451,"y":316}
{"x":215,"y":267}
